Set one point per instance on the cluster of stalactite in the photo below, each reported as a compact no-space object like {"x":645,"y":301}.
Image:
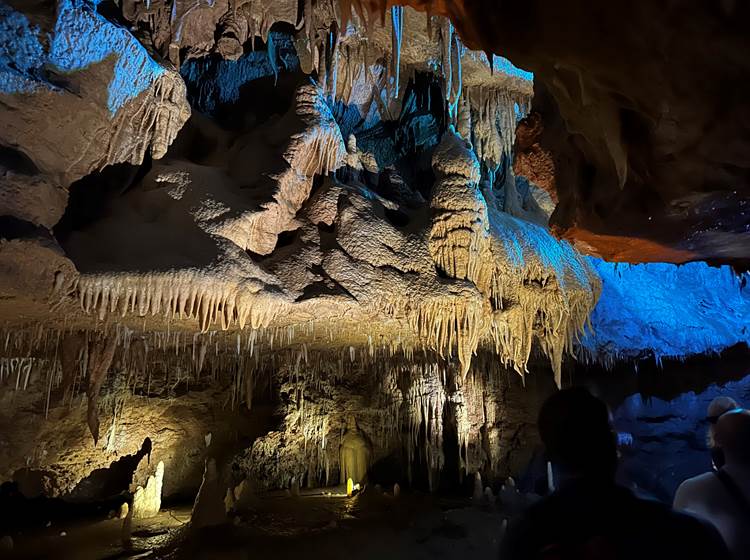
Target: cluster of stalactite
{"x":402,"y":408}
{"x":335,"y":40}
{"x":487,"y":117}
{"x":514,"y":284}
{"x":398,"y":398}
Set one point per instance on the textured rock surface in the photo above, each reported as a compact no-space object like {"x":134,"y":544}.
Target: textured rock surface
{"x":50,"y":452}
{"x":78,"y":93}
{"x":664,"y":310}
{"x":336,"y":230}
{"x":651,"y":145}
{"x":426,"y":421}
{"x":669,"y":437}
{"x":109,"y":100}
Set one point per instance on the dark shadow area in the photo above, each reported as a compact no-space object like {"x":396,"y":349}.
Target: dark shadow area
{"x":387,"y":471}
{"x":285,"y":239}
{"x":17,"y":161}
{"x":666,"y":381}
{"x":90,"y":196}
{"x":15,"y":228}
{"x":112,"y":481}
{"x":251,"y":89}
{"x":22,"y":505}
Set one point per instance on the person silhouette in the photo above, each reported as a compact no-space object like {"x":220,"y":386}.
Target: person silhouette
{"x":722,"y":497}
{"x":589,"y":516}
{"x":716,"y":408}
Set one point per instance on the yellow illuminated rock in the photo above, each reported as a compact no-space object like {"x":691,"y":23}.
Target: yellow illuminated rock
{"x":354,"y":455}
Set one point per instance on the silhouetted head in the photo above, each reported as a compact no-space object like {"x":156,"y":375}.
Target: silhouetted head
{"x":733,"y":436}
{"x":576,"y":430}
{"x":718,"y":406}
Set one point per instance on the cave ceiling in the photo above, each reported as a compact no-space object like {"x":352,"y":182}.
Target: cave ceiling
{"x":643,"y":118}
{"x":644,"y":122}
{"x":387,"y":183}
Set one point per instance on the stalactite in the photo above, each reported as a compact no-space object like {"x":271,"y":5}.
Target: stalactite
{"x":446,"y":44}
{"x":397,"y":31}
{"x":493,"y":121}
{"x":456,"y":81}
{"x":332,"y":62}
{"x":102,"y":352}
{"x":70,"y":355}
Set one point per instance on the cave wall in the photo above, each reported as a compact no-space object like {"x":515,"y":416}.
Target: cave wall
{"x":352,"y":243}
{"x":428,"y":427}
{"x":663,"y":310}
{"x":148,"y":411}
{"x":669,"y":441}
{"x":644,"y":115}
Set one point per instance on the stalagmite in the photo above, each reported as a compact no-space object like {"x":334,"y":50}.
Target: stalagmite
{"x":489,"y":497}
{"x":147,"y":500}
{"x":123,"y":511}
{"x":229,"y":501}
{"x":243,"y":495}
{"x":354,"y":454}
{"x":294,"y":487}
{"x":208,"y":509}
{"x":126,"y":529}
{"x":478,"y":488}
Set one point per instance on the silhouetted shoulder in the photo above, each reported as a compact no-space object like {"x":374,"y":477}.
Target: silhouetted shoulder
{"x":691,"y":537}
{"x":693,"y":488}
{"x":702,"y":534}
{"x":612,"y":519}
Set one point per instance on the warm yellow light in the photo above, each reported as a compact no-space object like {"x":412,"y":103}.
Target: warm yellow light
{"x":349,"y":487}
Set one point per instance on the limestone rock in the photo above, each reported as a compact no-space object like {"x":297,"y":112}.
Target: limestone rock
{"x":31,"y":197}
{"x":134,"y":105}
{"x":147,"y":501}
{"x":208,"y":509}
{"x":355,"y":455}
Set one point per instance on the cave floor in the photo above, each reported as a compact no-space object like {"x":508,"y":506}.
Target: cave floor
{"x":317,"y":525}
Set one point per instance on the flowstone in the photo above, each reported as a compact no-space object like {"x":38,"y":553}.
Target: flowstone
{"x":147,"y":501}
{"x":355,"y":454}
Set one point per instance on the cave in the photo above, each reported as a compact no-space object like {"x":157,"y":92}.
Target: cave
{"x":297,"y":277}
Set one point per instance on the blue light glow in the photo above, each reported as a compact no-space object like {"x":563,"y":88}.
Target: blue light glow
{"x":212,"y":81}
{"x":80,"y":39}
{"x":667,"y":310}
{"x":500,"y":64}
{"x":20,"y":51}
{"x":669,"y":436}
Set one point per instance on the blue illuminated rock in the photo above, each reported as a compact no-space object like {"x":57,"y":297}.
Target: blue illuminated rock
{"x":109,"y":100}
{"x":665,"y":310}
